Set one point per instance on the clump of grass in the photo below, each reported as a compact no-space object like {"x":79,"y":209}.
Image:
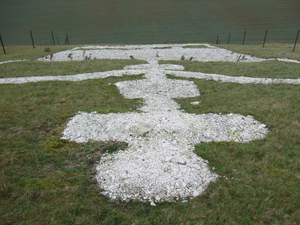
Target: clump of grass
{"x":166,"y":47}
{"x":195,"y":46}
{"x":115,"y":146}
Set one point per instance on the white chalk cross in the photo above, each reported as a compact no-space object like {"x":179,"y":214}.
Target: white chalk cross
{"x":159,"y":163}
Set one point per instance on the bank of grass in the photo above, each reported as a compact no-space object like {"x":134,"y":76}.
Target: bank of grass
{"x":266,"y":69}
{"x":262,"y":177}
{"x":38,"y":68}
{"x":28,"y":52}
{"x":46,"y":180}
{"x":272,"y":50}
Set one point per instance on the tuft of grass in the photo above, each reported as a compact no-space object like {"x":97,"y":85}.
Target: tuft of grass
{"x":195,"y":46}
{"x":166,"y":47}
{"x":115,"y":146}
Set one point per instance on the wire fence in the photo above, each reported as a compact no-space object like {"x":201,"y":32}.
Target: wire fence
{"x":213,"y":36}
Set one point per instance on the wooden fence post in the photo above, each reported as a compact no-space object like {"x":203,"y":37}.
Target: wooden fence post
{"x":229,"y":37}
{"x":32,"y":39}
{"x":265,"y":38}
{"x":296,"y":41}
{"x":2,"y":44}
{"x":244,"y":37}
{"x":67,"y":39}
{"x":53,"y":38}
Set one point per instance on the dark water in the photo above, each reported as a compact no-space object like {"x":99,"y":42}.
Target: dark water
{"x":152,"y":21}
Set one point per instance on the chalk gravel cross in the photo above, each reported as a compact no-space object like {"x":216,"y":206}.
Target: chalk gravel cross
{"x":159,"y":163}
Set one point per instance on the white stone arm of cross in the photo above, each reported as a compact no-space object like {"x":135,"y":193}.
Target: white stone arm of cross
{"x":189,"y":128}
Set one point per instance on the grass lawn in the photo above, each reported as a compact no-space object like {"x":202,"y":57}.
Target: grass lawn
{"x":269,"y":51}
{"x":45,"y":180}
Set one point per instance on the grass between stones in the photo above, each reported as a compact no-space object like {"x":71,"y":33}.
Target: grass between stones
{"x":266,"y":69}
{"x":269,"y":51}
{"x":28,"y":52}
{"x":45,"y":180}
{"x":37,"y":68}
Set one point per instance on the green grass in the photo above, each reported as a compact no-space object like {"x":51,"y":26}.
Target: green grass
{"x":28,"y":52}
{"x":195,"y":46}
{"x":46,"y":180}
{"x":37,"y":68}
{"x":269,"y":51}
{"x":268,"y":69}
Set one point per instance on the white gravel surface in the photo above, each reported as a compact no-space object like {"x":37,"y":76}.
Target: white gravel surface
{"x":288,"y":60}
{"x":232,"y":79}
{"x":152,"y":52}
{"x":17,"y":60}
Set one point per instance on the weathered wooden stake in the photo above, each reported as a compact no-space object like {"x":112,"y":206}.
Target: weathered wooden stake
{"x":296,"y":40}
{"x":32,"y":39}
{"x":229,"y":37}
{"x":244,"y":37}
{"x":53,"y":38}
{"x":2,"y":44}
{"x":67,"y":39}
{"x":265,"y":38}
{"x":217,"y":42}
